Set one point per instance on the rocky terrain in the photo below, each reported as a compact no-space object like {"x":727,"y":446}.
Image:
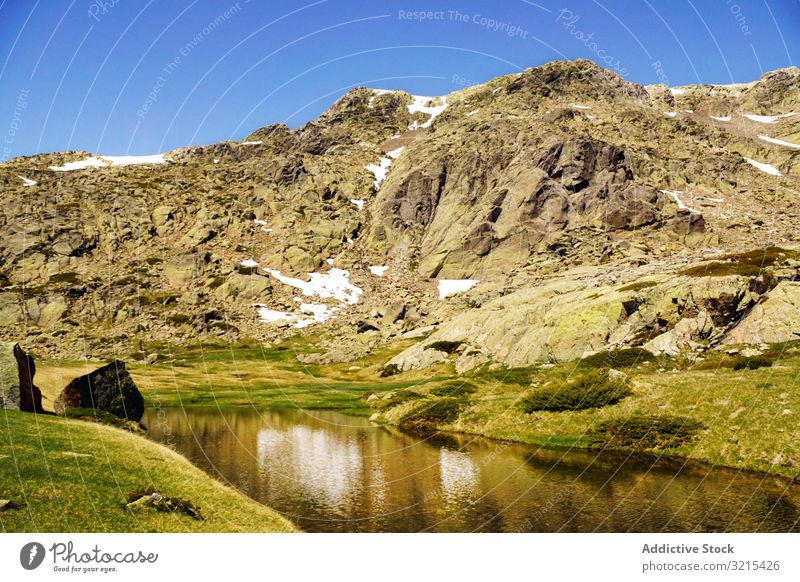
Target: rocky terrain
{"x":536,"y":218}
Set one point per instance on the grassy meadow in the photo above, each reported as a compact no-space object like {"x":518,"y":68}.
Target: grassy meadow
{"x":74,"y":476}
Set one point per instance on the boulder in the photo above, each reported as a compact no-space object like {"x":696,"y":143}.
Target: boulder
{"x":17,"y":391}
{"x":109,"y":388}
{"x":776,"y":319}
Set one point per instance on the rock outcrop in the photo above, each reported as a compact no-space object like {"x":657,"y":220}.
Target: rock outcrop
{"x":109,"y":388}
{"x":17,"y":390}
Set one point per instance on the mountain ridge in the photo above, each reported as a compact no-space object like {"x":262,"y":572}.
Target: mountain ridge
{"x":525,"y":183}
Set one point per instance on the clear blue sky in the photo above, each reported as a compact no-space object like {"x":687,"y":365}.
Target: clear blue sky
{"x":137,"y":76}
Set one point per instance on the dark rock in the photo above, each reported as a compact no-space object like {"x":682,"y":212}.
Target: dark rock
{"x":17,"y":391}
{"x":109,"y":388}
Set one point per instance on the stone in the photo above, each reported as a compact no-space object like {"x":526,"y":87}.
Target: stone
{"x":17,"y":390}
{"x":776,"y":319}
{"x":617,"y":376}
{"x":109,"y":388}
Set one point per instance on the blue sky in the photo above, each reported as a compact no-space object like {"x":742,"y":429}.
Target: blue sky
{"x":136,"y":76}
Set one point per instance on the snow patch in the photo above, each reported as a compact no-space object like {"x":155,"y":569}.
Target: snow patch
{"x":27,"y":181}
{"x":267,"y":315}
{"x":332,"y":285}
{"x":251,"y":143}
{"x":776,"y":141}
{"x":394,"y":154}
{"x":359,"y":204}
{"x":670,"y":113}
{"x":677,"y":91}
{"x":378,"y":271}
{"x":471,"y":113}
{"x":419,"y":104}
{"x":721,"y":118}
{"x":106,"y":161}
{"x":591,"y":116}
{"x":91,"y":162}
{"x":767,"y":118}
{"x":675,"y":196}
{"x":766,"y":168}
{"x":260,"y":222}
{"x":575,"y":106}
{"x":448,"y":287}
{"x":248,"y":263}
{"x":380,"y":171}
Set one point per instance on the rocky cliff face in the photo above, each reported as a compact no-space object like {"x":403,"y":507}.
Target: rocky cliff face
{"x":578,"y":201}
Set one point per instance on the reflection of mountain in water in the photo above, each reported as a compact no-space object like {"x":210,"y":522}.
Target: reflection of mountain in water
{"x":330,"y":472}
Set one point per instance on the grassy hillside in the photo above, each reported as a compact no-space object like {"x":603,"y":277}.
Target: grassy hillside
{"x":75,"y":476}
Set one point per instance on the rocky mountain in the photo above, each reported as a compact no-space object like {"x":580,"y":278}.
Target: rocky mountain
{"x":535,"y":218}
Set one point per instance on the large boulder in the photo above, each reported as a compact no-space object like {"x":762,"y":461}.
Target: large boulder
{"x":17,"y":391}
{"x":109,"y":388}
{"x":776,"y":319}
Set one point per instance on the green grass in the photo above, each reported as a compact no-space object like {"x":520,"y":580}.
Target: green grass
{"x":75,"y":476}
{"x":247,"y":374}
{"x":624,"y":358}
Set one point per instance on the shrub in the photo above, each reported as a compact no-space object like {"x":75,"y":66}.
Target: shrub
{"x":643,"y":432}
{"x":455,"y":388}
{"x":434,"y":413}
{"x":624,"y":358}
{"x":400,"y":397}
{"x":389,"y":370}
{"x":745,"y":363}
{"x":592,"y":390}
{"x":444,"y":346}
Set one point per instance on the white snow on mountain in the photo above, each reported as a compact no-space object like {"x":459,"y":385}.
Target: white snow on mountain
{"x":766,"y":168}
{"x":380,"y":171}
{"x":106,"y":161}
{"x":378,"y":271}
{"x":448,"y":287}
{"x":675,"y":196}
{"x":27,"y":181}
{"x":421,"y":104}
{"x":779,"y":142}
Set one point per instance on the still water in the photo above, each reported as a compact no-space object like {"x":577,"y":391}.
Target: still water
{"x":330,"y":472}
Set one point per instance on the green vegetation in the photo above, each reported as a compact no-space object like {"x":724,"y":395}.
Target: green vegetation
{"x":94,"y":415}
{"x":749,"y":264}
{"x":432,"y":414}
{"x":73,"y":476}
{"x":638,"y":286}
{"x":592,"y":390}
{"x":643,"y":432}
{"x":454,"y":388}
{"x":753,"y":363}
{"x":624,"y":358}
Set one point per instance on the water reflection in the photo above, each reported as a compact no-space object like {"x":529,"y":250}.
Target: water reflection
{"x":330,"y":472}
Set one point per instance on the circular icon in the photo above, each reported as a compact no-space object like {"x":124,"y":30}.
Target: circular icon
{"x":31,"y":555}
